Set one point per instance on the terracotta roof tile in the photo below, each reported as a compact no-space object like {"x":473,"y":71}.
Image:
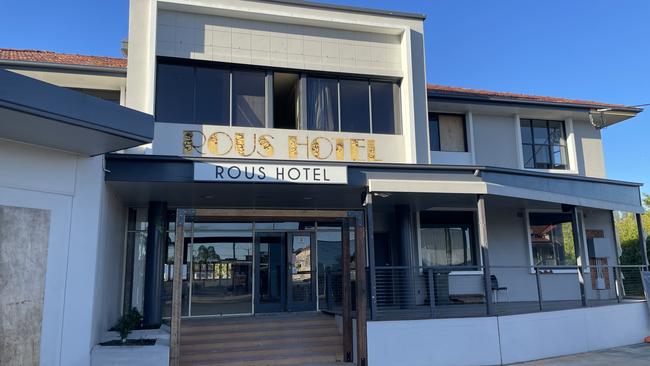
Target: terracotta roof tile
{"x":116,"y":62}
{"x":456,"y":91}
{"x":60,"y":58}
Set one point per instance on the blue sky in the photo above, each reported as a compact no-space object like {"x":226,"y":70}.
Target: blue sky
{"x":583,"y":49}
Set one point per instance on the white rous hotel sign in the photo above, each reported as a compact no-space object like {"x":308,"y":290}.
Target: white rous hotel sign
{"x":270,"y":173}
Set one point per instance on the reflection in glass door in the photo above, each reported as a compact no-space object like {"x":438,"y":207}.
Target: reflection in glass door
{"x":221,"y":272}
{"x":302,"y":283}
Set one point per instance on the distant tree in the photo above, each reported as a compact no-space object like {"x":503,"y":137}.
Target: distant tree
{"x":628,"y":234}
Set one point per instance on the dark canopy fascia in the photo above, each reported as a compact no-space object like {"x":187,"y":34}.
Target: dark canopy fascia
{"x":42,"y":114}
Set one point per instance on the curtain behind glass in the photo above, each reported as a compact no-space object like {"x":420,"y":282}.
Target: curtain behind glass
{"x":323,"y":104}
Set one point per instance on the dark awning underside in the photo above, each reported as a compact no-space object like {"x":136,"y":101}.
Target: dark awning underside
{"x":38,"y":113}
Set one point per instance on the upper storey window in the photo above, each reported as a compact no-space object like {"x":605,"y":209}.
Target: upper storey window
{"x":447,"y":132}
{"x":544,"y":144}
{"x":350,"y":105}
{"x":252,"y":97}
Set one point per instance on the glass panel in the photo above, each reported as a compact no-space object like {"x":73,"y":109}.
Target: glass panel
{"x":526,"y":132}
{"x":540,"y":132}
{"x":556,"y":132}
{"x":248,"y":98}
{"x":551,"y":237}
{"x":355,"y":107}
{"x":322,"y":104}
{"x":385,"y":106}
{"x":329,"y":266}
{"x":529,"y":160}
{"x":228,"y":256}
{"x":212,"y":96}
{"x":271,"y":264}
{"x":286,"y":100}
{"x":452,"y":132}
{"x":175,"y":94}
{"x":457,"y":245}
{"x":168,"y":278}
{"x":139,"y":258}
{"x":559,"y":157}
{"x":301,"y":290}
{"x":434,"y":133}
{"x":434,"y":247}
{"x":542,"y":157}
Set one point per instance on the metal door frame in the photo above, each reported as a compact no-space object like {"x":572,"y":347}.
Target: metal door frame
{"x":354,"y":220}
{"x":257,"y":307}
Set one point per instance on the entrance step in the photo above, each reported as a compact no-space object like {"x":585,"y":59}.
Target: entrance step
{"x":278,"y":339}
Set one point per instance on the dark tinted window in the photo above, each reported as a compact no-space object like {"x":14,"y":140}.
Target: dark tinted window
{"x":355,"y":106}
{"x":248,"y":98}
{"x":175,"y":94}
{"x":385,"y":107}
{"x":212,"y":96}
{"x":434,"y":133}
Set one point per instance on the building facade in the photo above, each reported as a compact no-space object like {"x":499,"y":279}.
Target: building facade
{"x":298,"y":163}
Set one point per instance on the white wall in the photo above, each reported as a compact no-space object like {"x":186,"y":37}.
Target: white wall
{"x":557,"y":333}
{"x":467,"y":342}
{"x":506,"y":339}
{"x":70,"y":187}
{"x":110,"y":274}
{"x":253,"y":42}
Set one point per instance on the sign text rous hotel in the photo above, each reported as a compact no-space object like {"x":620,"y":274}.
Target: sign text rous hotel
{"x":281,"y":146}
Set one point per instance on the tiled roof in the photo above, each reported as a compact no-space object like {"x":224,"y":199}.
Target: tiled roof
{"x":460,"y":92}
{"x":60,"y":58}
{"x":116,"y":62}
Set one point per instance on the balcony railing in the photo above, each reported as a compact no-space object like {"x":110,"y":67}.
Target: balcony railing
{"x":461,"y":291}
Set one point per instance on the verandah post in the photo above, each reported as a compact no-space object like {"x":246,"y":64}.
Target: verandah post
{"x":580,"y":251}
{"x":177,"y":288}
{"x":483,"y":240}
{"x":346,"y":306}
{"x":642,"y":244}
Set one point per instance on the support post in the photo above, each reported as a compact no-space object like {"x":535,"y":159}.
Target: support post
{"x":155,"y":260}
{"x":483,"y":240}
{"x":642,"y":244}
{"x":177,"y":290}
{"x":540,"y":299}
{"x":432,"y":292}
{"x":346,"y":305}
{"x":372,"y":284}
{"x":361,"y":290}
{"x":578,"y":243}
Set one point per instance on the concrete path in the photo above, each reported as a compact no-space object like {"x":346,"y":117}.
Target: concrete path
{"x":636,"y":355}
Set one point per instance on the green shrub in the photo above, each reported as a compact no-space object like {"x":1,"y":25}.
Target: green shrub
{"x":127,"y":322}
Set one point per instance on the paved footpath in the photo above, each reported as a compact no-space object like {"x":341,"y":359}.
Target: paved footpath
{"x":635,"y":355}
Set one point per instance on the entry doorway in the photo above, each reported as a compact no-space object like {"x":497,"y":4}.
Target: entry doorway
{"x":284,"y":275}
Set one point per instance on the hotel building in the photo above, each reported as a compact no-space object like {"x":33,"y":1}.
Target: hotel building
{"x":275,"y":183}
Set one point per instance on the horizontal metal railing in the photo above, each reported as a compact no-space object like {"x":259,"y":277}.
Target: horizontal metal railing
{"x":461,"y":291}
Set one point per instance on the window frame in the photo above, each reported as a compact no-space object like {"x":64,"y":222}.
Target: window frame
{"x":548,"y":145}
{"x":304,"y":76}
{"x":474,"y":241}
{"x":465,"y":132}
{"x":527,"y":231}
{"x":571,"y":163}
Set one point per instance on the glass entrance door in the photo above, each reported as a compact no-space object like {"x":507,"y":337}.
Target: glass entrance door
{"x":284,"y":278}
{"x":271,"y":258}
{"x":302,"y":282}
